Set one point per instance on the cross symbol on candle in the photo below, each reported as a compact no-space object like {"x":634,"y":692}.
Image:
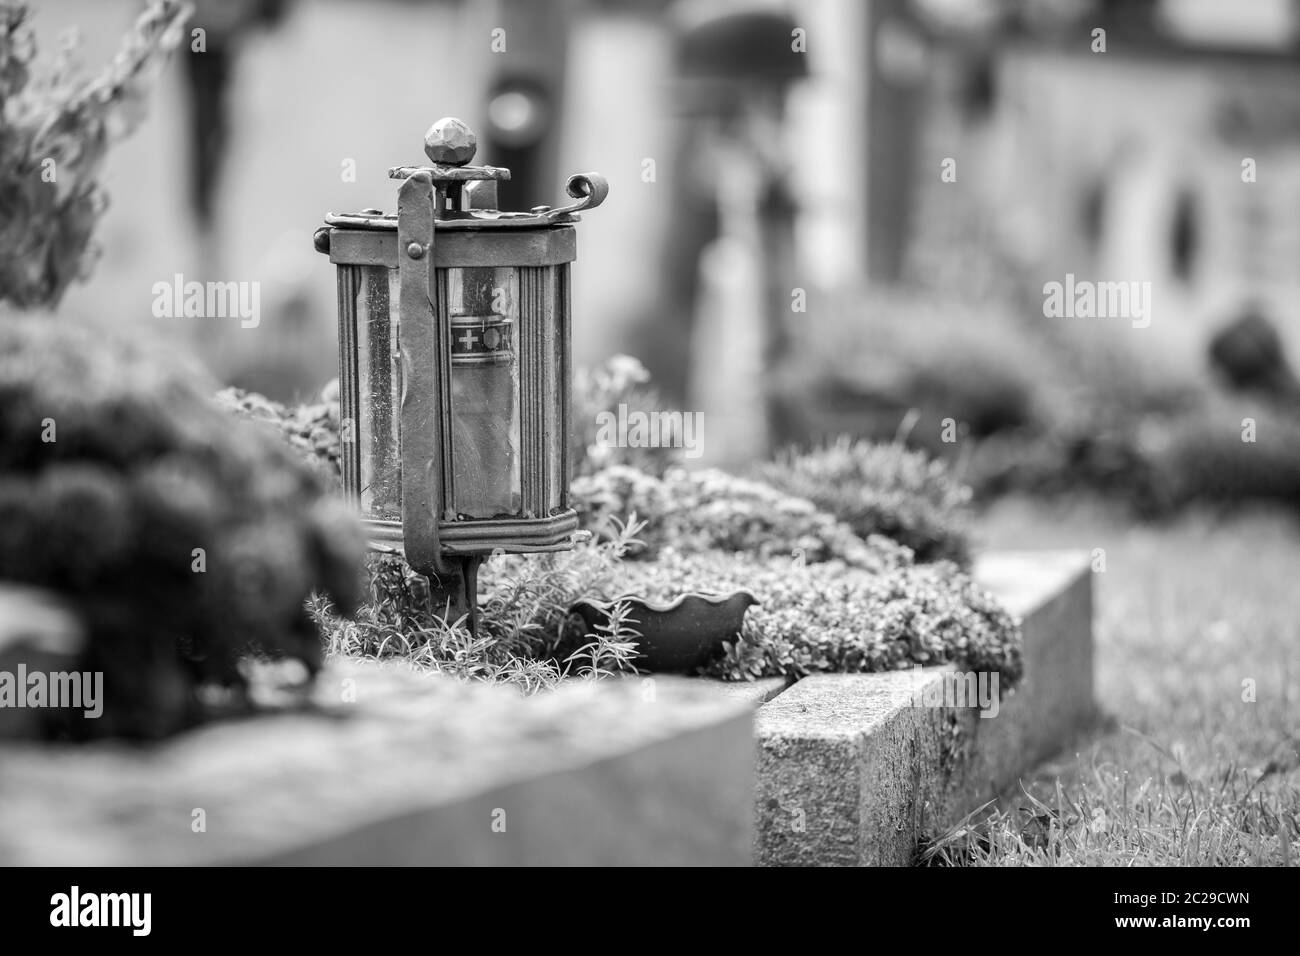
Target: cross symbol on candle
{"x":467,"y":340}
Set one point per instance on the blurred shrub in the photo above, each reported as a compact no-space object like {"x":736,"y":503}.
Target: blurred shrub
{"x":879,"y":489}
{"x":901,"y":352}
{"x":185,"y":540}
{"x":1042,"y":411}
{"x":1207,"y":459}
{"x":1157,"y":444}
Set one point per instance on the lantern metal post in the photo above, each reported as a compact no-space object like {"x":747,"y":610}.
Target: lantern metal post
{"x":455,"y":368}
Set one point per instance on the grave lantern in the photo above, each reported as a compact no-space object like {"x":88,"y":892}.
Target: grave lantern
{"x":454,"y":366}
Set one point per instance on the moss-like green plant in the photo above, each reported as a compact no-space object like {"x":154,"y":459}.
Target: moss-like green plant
{"x":882,"y":489}
{"x":711,"y":510}
{"x":185,"y":540}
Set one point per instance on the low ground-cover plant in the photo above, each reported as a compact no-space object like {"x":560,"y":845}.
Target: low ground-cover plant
{"x":833,"y":617}
{"x":826,"y":617}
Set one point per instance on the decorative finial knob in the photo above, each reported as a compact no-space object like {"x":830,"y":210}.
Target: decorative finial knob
{"x":450,"y":142}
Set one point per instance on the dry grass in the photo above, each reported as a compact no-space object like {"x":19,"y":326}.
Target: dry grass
{"x":1187,"y":772}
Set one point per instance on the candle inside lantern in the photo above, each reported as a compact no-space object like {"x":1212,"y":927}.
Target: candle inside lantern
{"x":484,"y":312}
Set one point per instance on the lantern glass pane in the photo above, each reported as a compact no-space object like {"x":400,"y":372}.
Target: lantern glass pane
{"x":484,"y":310}
{"x":379,"y":385}
{"x":557,"y":447}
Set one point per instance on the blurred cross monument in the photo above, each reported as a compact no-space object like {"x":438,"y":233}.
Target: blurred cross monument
{"x":717,"y":343}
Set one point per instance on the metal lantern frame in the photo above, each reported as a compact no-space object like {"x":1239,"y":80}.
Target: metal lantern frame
{"x":402,"y":348}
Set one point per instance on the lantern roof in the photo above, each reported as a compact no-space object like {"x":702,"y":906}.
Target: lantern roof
{"x":450,"y":145}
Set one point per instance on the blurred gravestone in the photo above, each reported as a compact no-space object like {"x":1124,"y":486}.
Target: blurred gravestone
{"x":729,"y":251}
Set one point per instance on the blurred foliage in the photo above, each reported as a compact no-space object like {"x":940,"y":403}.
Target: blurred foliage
{"x":184,"y":540}
{"x":1034,"y":410}
{"x":1206,"y":458}
{"x":1158,"y":445}
{"x":62,"y":125}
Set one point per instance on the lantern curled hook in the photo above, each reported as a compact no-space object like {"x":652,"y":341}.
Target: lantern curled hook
{"x":590,"y":189}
